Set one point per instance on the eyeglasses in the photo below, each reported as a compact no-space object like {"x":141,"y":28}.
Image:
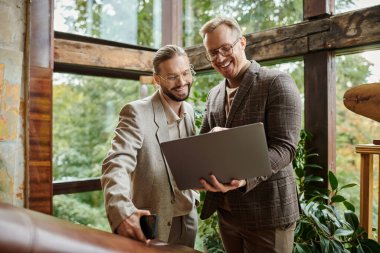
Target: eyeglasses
{"x":225,"y":50}
{"x":174,"y":78}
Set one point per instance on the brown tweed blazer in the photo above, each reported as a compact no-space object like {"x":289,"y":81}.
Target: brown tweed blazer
{"x":271,"y":97}
{"x":135,"y":173}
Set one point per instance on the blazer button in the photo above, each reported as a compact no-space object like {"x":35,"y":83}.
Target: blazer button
{"x":172,"y":201}
{"x":169,"y":223}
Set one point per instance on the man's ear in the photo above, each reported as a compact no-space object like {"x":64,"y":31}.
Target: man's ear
{"x":156,"y":79}
{"x":243,"y":42}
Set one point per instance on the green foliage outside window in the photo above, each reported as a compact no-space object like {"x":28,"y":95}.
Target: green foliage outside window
{"x":82,"y":208}
{"x":110,"y":20}
{"x":85,"y":114}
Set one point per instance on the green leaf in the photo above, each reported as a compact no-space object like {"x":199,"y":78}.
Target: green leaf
{"x":337,"y":199}
{"x":348,"y":186}
{"x":370,"y":245}
{"x":359,"y":249}
{"x":302,"y":248}
{"x":311,"y":155}
{"x":343,"y":232}
{"x":315,"y":166}
{"x":325,"y":244}
{"x":311,"y":178}
{"x":349,"y":206}
{"x":333,"y":181}
{"x":351,"y":218}
{"x":300,"y":172}
{"x":336,"y":246}
{"x":322,"y":226}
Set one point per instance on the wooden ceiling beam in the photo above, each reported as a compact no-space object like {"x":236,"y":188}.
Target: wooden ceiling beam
{"x":341,"y":32}
{"x":97,"y":59}
{"x":349,"y":30}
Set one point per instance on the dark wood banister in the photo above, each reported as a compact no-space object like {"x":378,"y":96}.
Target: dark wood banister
{"x":76,"y":186}
{"x":23,"y":230}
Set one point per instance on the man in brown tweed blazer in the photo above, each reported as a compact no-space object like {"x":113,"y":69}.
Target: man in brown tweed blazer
{"x":136,"y":179}
{"x":255,"y":214}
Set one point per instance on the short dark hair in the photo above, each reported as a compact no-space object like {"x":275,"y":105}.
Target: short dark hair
{"x":212,"y":24}
{"x":165,"y":53}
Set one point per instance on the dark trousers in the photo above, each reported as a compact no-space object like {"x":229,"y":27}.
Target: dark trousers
{"x":239,"y":240}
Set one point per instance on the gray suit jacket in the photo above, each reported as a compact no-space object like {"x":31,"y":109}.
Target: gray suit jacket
{"x":135,"y":173}
{"x":271,"y":97}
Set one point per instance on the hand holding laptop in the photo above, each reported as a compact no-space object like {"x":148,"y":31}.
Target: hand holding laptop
{"x":229,"y":155}
{"x":216,"y":186}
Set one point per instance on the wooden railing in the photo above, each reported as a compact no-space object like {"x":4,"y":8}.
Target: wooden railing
{"x":367,"y":152}
{"x":76,"y":186}
{"x":23,"y":230}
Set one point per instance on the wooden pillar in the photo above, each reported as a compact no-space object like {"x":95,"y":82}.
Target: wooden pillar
{"x":320,"y":96}
{"x":39,"y":106}
{"x":318,"y":8}
{"x":172,"y":22}
{"x":320,"y":109}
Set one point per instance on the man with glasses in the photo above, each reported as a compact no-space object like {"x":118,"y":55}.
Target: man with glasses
{"x":136,"y":180}
{"x":255,"y":214}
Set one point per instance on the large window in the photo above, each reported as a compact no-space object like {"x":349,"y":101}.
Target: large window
{"x":350,"y":5}
{"x":253,"y":16}
{"x":135,"y":22}
{"x":85,"y":111}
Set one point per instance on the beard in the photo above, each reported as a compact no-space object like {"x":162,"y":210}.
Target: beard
{"x":173,"y":97}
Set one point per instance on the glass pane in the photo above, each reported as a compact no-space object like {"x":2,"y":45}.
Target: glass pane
{"x":352,"y":128}
{"x":201,"y":86}
{"x":135,"y":22}
{"x":85,"y":114}
{"x":82,"y":208}
{"x":350,"y":5}
{"x":253,"y":16}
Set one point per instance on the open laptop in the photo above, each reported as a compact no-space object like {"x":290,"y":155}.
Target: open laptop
{"x":236,"y":153}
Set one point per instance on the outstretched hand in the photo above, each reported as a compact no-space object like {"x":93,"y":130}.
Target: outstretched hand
{"x":215,"y":186}
{"x":130,"y":227}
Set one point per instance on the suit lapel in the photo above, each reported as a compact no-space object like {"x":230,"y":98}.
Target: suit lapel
{"x":220,"y":104}
{"x":248,"y":81}
{"x":162,"y":133}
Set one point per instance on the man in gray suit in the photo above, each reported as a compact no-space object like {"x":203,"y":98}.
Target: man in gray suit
{"x":136,"y":179}
{"x":255,"y":214}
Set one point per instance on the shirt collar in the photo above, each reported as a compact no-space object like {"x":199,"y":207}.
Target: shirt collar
{"x":171,"y":116}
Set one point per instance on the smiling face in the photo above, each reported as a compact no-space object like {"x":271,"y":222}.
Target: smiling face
{"x":175,"y":78}
{"x":228,"y":66}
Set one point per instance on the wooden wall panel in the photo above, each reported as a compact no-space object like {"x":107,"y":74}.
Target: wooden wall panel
{"x":39,"y":106}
